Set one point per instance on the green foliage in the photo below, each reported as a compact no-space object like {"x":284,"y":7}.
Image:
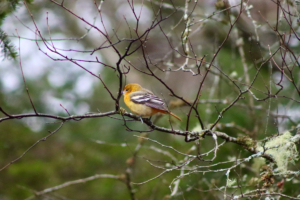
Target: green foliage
{"x":6,"y":8}
{"x":7,"y":49}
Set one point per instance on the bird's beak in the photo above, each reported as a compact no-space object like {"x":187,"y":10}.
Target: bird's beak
{"x":123,"y":92}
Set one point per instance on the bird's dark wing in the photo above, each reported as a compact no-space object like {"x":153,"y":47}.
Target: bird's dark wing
{"x":149,"y":99}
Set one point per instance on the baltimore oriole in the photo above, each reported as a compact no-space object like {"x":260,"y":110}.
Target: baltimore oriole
{"x":143,"y":102}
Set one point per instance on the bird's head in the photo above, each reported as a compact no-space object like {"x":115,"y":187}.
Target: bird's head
{"x":131,"y":88}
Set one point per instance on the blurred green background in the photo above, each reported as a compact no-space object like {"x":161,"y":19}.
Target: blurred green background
{"x":84,"y":148}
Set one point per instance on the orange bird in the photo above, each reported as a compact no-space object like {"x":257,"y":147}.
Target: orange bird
{"x":143,"y":102}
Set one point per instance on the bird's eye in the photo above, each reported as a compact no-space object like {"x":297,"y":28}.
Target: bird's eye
{"x":126,"y":89}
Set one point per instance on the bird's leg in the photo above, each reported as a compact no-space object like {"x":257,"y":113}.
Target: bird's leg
{"x":142,"y":120}
{"x":150,"y":121}
{"x":140,"y":116}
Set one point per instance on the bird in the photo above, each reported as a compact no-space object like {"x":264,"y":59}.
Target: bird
{"x":143,"y":102}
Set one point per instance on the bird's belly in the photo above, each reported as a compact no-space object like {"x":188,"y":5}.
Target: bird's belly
{"x":142,"y":110}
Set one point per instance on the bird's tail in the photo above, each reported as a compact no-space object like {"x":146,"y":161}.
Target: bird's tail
{"x":175,"y":116}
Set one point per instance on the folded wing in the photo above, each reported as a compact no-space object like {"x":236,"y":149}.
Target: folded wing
{"x":150,"y":100}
